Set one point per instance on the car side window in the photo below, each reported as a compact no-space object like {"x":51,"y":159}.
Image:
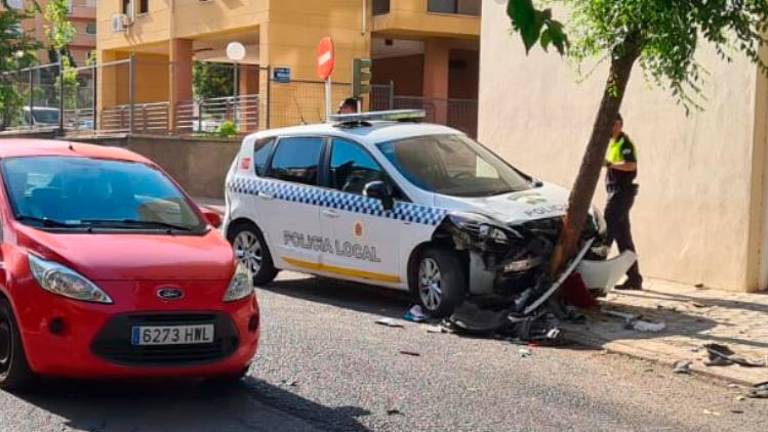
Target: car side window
{"x":297,"y":159}
{"x":352,"y":167}
{"x":261,"y":152}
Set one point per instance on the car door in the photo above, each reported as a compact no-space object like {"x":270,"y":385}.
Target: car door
{"x":365,"y":243}
{"x":288,"y":200}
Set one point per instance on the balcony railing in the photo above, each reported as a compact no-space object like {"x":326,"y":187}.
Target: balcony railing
{"x":458,"y":7}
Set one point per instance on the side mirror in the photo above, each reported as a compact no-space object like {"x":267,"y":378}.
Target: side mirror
{"x":380,"y":191}
{"x":213,"y":218}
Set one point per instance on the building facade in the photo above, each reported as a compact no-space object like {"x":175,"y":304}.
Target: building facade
{"x":424,"y":52}
{"x":83,"y":16}
{"x":701,"y":213}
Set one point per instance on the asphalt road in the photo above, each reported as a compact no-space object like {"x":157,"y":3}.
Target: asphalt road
{"x":325,"y":365}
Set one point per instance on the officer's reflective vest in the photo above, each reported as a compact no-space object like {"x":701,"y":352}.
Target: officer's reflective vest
{"x":614,"y":155}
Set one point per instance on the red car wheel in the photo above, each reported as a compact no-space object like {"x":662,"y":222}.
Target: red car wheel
{"x":14,"y":370}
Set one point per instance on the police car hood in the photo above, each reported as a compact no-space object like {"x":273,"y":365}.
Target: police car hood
{"x":541,"y":202}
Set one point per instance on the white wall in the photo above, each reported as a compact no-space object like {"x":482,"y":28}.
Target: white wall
{"x":691,"y":219}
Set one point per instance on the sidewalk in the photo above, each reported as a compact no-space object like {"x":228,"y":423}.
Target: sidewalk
{"x":693,"y":317}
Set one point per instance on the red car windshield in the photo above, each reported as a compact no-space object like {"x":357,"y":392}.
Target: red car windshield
{"x":77,"y":192}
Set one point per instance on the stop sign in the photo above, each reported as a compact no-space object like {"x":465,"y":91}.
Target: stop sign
{"x":326,"y":58}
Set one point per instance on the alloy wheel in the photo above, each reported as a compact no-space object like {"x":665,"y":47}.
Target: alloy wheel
{"x":249,"y":251}
{"x":430,"y":284}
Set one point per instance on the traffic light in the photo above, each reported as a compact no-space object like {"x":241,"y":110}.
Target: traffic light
{"x":361,"y":77}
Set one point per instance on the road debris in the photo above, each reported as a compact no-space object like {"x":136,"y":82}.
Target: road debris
{"x":662,"y":307}
{"x":648,"y":326}
{"x":389,"y":322}
{"x":436,"y":329}
{"x":759,"y":392}
{"x":712,"y":413}
{"x":416,"y":314}
{"x":698,"y":305}
{"x":737,"y":411}
{"x":410,"y":353}
{"x":394,"y":411}
{"x":722,"y":355}
{"x":525,"y":352}
{"x":635,"y":322}
{"x":682,"y":367}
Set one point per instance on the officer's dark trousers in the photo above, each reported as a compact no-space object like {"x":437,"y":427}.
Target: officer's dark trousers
{"x":620,"y":201}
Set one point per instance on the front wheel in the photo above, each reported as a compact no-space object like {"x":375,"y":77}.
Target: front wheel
{"x":252,"y":252}
{"x":441,"y":282}
{"x":14,"y":369}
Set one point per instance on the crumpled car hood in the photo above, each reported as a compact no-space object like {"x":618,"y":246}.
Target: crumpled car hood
{"x":543,"y":202}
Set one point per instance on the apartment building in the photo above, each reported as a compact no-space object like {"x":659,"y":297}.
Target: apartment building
{"x":425,"y":51}
{"x":83,"y":17}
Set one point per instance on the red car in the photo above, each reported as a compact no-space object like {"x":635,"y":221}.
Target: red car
{"x":109,"y":270}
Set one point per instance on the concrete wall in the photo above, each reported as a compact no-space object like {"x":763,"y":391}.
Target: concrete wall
{"x":698,"y":217}
{"x":199,"y":165}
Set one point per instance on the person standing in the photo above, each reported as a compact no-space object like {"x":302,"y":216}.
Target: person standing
{"x":348,"y":106}
{"x":621,"y":164}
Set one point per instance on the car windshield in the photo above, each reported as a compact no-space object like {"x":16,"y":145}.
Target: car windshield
{"x":453,"y":165}
{"x":77,"y":192}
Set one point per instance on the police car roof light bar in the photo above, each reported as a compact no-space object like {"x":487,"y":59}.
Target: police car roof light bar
{"x":403,"y":115}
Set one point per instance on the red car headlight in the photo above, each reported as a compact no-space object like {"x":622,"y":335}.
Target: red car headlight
{"x":241,"y":285}
{"x":63,"y":281}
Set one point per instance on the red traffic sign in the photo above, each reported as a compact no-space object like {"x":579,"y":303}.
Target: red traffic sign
{"x":326,"y":58}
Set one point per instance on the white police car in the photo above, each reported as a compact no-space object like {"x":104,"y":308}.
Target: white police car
{"x":378,"y":198}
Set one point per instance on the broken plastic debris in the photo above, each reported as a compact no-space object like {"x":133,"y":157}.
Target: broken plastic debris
{"x":415,"y":314}
{"x":712,"y":413}
{"x":647,"y":326}
{"x":682,"y":367}
{"x":759,"y":392}
{"x":389,"y":322}
{"x":394,"y":411}
{"x":436,"y":329}
{"x":410,"y":353}
{"x":524,"y":352}
{"x":722,"y":355}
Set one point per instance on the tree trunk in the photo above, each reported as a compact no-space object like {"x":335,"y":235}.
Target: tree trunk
{"x":586,"y":182}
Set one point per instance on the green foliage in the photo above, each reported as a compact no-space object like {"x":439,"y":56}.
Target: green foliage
{"x":666,"y":33}
{"x":17,"y":51}
{"x":227,"y":130}
{"x":59,"y":30}
{"x":212,"y":80}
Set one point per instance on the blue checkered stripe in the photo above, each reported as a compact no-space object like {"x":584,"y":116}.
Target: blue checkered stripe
{"x":407,"y":212}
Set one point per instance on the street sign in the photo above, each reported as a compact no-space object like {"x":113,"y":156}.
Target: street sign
{"x":326,"y":58}
{"x":281,"y":75}
{"x":235,"y":51}
{"x":361,"y":77}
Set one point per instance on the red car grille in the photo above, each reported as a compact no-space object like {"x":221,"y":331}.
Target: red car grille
{"x":113,"y":343}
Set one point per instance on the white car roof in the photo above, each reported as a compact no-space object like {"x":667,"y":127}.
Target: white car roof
{"x":377,"y":132}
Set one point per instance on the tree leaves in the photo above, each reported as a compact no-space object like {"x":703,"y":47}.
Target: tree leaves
{"x":536,"y":26}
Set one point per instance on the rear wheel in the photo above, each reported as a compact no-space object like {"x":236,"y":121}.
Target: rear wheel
{"x":252,"y":252}
{"x":440,"y":281}
{"x":14,"y":369}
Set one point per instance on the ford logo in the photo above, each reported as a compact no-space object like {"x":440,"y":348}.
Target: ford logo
{"x":170,"y":293}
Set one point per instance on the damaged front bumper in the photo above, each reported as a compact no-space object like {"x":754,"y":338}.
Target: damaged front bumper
{"x":507,"y":265}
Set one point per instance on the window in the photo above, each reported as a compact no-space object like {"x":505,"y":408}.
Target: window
{"x":297,"y":159}
{"x":380,"y":7}
{"x":352,"y":167}
{"x":261,"y":151}
{"x":143,"y":6}
{"x":127,"y":6}
{"x":461,"y":7}
{"x":90,"y":28}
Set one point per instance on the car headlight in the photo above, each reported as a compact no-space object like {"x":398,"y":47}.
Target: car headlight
{"x":483,"y":227}
{"x":241,"y":285}
{"x":63,"y":281}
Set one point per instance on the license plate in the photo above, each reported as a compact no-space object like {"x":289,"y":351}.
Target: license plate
{"x":172,"y":335}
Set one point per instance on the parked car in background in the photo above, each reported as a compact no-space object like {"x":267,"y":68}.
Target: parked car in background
{"x":41,"y":116}
{"x":109,"y":270}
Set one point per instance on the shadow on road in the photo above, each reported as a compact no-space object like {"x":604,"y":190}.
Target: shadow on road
{"x":348,"y":295}
{"x":252,"y":405}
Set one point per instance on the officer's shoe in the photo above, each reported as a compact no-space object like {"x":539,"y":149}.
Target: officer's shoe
{"x":630,"y":286}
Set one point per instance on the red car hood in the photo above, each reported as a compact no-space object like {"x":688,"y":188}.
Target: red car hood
{"x":135,"y":257}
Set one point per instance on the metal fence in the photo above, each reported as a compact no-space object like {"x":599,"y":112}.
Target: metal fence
{"x":122,"y":106}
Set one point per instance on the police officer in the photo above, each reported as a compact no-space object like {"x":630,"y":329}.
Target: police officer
{"x":621,"y":164}
{"x":348,"y":106}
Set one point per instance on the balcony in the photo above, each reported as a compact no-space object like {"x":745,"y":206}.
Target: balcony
{"x":427,"y":18}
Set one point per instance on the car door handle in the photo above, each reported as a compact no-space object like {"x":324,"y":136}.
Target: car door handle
{"x":266,"y":196}
{"x":331,"y":214}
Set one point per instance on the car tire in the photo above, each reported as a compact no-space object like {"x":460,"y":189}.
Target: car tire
{"x":252,"y":251}
{"x":15,"y":373}
{"x":440,"y":281}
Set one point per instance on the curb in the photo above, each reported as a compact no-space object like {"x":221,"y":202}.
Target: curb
{"x":729,"y":374}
